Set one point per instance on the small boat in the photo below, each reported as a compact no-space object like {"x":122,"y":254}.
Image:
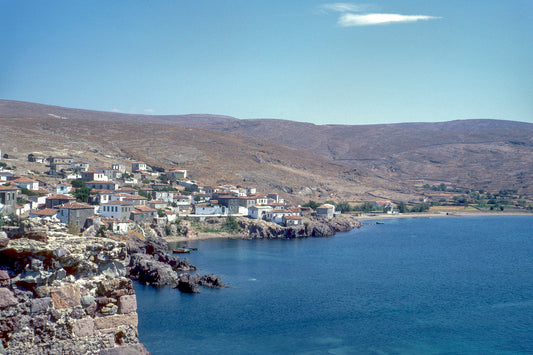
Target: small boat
{"x":380,"y":222}
{"x":181,"y":250}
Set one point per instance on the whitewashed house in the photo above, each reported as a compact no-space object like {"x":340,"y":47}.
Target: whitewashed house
{"x":116,"y":209}
{"x":258,"y":212}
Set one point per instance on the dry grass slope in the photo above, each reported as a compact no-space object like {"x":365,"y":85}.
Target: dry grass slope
{"x":301,"y":160}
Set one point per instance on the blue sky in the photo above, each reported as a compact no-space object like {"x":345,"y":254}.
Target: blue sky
{"x":311,"y":61}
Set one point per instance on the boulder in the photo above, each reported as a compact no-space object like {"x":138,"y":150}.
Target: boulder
{"x":188,"y":283}
{"x":149,"y":271}
{"x":211,"y":280}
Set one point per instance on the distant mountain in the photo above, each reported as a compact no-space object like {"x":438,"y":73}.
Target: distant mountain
{"x":301,"y":160}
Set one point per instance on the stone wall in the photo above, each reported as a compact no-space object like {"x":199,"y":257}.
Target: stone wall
{"x":65,"y":294}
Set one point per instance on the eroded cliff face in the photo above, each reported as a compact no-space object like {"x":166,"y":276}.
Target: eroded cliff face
{"x":61,"y":293}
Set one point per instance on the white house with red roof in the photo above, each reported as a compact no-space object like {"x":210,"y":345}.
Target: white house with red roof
{"x":26,"y":183}
{"x":386,"y":205}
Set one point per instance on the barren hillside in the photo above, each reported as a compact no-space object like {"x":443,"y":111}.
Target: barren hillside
{"x":301,"y":160}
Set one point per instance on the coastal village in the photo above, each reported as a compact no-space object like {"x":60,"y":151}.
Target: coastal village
{"x":119,"y":197}
{"x":76,"y":237}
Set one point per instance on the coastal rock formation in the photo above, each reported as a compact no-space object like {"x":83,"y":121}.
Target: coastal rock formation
{"x":151,"y":263}
{"x":65,"y":294}
{"x":190,"y":283}
{"x":258,"y":229}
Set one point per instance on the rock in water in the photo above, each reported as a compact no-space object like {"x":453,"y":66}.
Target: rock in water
{"x":211,"y":281}
{"x":188,"y":283}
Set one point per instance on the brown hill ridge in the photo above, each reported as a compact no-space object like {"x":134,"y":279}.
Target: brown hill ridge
{"x":301,"y":160}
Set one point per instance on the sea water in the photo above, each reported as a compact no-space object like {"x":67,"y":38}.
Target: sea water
{"x":451,"y":285}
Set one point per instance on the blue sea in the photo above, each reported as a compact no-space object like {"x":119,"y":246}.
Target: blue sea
{"x":451,"y":285}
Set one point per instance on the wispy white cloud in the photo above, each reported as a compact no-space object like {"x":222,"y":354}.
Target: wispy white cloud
{"x":359,"y":15}
{"x":149,"y":110}
{"x":349,"y":19}
{"x":343,"y":7}
{"x":115,"y":110}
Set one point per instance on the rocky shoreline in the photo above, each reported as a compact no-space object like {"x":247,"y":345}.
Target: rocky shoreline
{"x":68,"y":294}
{"x":64,"y":293}
{"x":258,"y":229}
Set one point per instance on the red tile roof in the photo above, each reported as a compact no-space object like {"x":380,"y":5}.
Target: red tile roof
{"x":8,"y":188}
{"x":45,"y":212}
{"x":144,"y":209}
{"x":23,"y":179}
{"x":61,"y":197}
{"x":76,"y":206}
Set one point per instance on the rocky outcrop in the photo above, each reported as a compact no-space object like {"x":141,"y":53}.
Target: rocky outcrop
{"x":258,"y":229}
{"x":151,"y":263}
{"x":211,"y":280}
{"x":190,"y":283}
{"x":65,"y":294}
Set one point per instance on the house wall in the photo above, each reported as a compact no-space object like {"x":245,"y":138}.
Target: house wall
{"x":120,"y":227}
{"x":63,"y":189}
{"x":103,"y":185}
{"x":232,"y":204}
{"x":210,"y":210}
{"x":9,"y":201}
{"x":116,"y":211}
{"x":325,"y":212}
{"x":76,"y":217}
{"x":54,"y":203}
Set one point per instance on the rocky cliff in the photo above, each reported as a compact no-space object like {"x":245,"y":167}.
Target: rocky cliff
{"x":65,"y":294}
{"x":258,"y":229}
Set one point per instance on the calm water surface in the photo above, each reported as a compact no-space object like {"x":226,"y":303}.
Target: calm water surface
{"x":409,"y":286}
